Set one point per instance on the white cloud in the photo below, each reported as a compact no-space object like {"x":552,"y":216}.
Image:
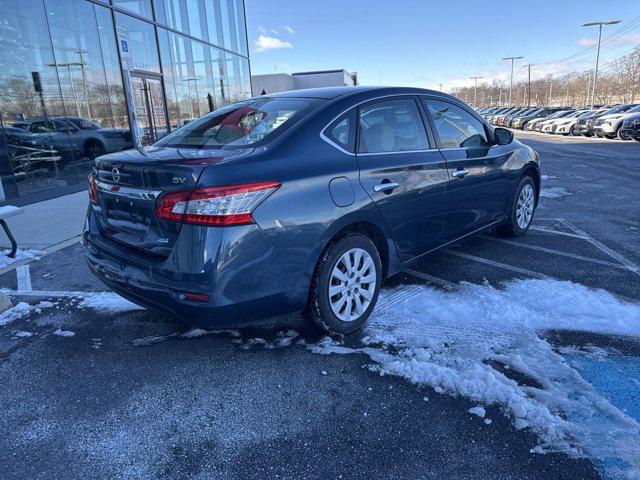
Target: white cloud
{"x":271,"y":31}
{"x":288,"y":29}
{"x":265,"y":42}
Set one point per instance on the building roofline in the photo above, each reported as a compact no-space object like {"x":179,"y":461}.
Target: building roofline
{"x":316,"y":72}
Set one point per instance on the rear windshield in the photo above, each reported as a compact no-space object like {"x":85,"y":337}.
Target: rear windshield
{"x":241,"y":124}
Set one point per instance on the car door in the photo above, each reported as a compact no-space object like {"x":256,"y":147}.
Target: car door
{"x":480,"y":183}
{"x":404,"y":176}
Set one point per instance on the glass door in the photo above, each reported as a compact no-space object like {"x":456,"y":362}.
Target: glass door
{"x":151,"y":114}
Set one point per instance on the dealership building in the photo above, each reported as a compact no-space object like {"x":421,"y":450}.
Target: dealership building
{"x":81,"y":78}
{"x":283,"y":82}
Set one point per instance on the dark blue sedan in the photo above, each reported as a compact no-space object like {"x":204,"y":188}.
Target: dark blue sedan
{"x":301,"y":201}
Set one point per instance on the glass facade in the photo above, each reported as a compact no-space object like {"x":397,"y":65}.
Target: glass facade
{"x":71,"y":90}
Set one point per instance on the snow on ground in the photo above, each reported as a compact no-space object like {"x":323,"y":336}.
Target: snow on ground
{"x":108,"y":302}
{"x":471,"y":340}
{"x":5,"y":260}
{"x":64,"y":333}
{"x":554,"y":192}
{"x":14,"y":313}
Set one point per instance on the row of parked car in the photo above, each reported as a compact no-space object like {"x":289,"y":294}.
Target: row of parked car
{"x":620,"y":121}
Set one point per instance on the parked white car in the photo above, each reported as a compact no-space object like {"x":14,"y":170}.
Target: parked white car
{"x":566,"y":125}
{"x":545,"y":125}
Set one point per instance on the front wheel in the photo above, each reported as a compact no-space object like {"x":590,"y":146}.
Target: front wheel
{"x":522,"y":209}
{"x":622,"y":136}
{"x":346,"y":284}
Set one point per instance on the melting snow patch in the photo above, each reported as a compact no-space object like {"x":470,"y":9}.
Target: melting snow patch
{"x":5,"y":260}
{"x":108,"y":302}
{"x":554,"y":192}
{"x":479,"y":411}
{"x":14,"y":313}
{"x":450,"y":339}
{"x":23,"y":334}
{"x":64,"y":333}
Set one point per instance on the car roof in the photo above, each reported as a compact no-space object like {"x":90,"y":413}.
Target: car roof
{"x":330,"y":93}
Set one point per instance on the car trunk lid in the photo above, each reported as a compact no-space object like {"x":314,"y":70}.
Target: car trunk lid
{"x":131,"y":183}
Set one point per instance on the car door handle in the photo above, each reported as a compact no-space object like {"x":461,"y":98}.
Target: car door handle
{"x":383,"y":187}
{"x":459,"y":173}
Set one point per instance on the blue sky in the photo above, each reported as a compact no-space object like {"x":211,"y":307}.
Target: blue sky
{"x":424,"y":43}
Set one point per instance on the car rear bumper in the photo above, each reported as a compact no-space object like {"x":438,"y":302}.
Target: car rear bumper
{"x":242,"y":275}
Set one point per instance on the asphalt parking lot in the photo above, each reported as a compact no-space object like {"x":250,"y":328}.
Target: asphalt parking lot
{"x":94,"y":392}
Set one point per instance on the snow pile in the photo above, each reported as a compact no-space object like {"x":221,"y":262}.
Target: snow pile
{"x":470,"y":341}
{"x":14,"y":313}
{"x":5,"y":260}
{"x":554,"y":192}
{"x":108,"y":302}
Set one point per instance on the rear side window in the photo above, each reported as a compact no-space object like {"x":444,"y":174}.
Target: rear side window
{"x":456,"y":127}
{"x":342,"y":131}
{"x":391,"y":126}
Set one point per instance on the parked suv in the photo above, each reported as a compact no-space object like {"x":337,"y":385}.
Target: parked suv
{"x":608,"y":125}
{"x":631,"y":127}
{"x":301,"y":201}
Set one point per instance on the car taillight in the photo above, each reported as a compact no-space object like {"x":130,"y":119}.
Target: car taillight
{"x":93,"y":189}
{"x":228,"y":205}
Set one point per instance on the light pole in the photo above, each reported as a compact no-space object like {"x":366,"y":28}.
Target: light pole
{"x":529,"y":84}
{"x":440,"y":86}
{"x":475,"y":91}
{"x":513,"y":59}
{"x":595,"y":74}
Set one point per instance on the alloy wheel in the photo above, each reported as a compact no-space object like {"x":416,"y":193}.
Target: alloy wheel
{"x":524,"y":207}
{"x":352,"y":284}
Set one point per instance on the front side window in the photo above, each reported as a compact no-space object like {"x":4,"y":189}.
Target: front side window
{"x":240,"y":124}
{"x":456,"y":127}
{"x":391,"y":126}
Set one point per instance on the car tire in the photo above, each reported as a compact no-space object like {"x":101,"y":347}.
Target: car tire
{"x":93,"y":149}
{"x":337,"y":269}
{"x":522,"y":208}
{"x":572,"y":131}
{"x":621,"y":136}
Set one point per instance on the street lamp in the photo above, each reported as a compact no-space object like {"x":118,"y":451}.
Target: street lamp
{"x":475,"y":91}
{"x":511,"y":83}
{"x":595,"y":75}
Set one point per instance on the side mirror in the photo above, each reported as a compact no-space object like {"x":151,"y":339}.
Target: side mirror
{"x":503,"y":136}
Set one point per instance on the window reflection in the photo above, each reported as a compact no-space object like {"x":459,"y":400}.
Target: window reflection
{"x":142,"y":42}
{"x":194,"y":76}
{"x":29,"y":91}
{"x":62,"y":98}
{"x":140,"y":7}
{"x":219,"y":22}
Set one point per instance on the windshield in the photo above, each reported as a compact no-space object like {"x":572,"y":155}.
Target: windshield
{"x":635,"y":109}
{"x":619,"y":109}
{"x":241,"y":124}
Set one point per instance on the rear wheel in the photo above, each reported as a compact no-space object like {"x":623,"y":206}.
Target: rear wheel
{"x":522,"y":209}
{"x":346,"y":284}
